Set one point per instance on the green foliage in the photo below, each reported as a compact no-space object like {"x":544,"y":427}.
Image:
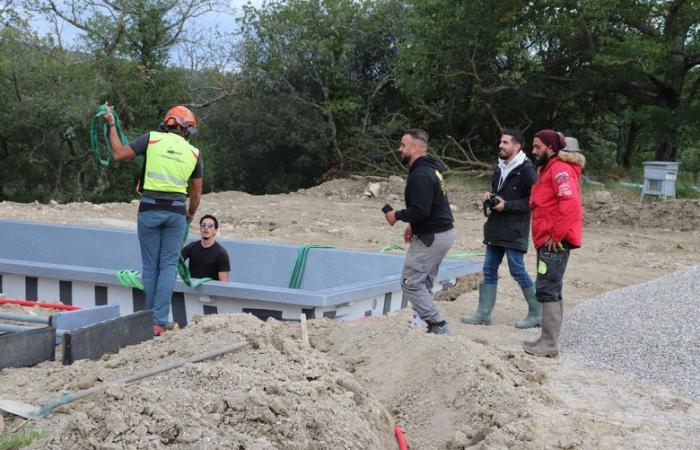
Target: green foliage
{"x":330,"y":65}
{"x":17,"y":440}
{"x":320,"y":88}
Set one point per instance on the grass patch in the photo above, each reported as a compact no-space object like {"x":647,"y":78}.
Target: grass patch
{"x":17,"y":440}
{"x":472,"y":183}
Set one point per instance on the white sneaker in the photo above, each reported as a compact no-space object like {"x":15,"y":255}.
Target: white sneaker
{"x":416,"y":321}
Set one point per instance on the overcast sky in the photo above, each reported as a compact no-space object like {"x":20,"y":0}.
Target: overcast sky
{"x":210,"y":21}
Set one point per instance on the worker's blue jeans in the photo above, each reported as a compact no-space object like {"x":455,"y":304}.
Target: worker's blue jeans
{"x":160,"y":233}
{"x":516,"y":265}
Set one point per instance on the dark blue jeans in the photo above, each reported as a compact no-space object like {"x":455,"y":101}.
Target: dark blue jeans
{"x":160,"y":233}
{"x":516,"y":265}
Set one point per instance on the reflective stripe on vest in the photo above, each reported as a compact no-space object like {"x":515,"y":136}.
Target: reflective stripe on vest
{"x":170,"y":161}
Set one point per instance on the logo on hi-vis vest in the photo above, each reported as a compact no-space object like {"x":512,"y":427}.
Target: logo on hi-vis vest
{"x":173,"y":154}
{"x":442,"y":181}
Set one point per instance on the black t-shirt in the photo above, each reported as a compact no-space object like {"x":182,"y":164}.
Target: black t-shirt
{"x":206,"y":262}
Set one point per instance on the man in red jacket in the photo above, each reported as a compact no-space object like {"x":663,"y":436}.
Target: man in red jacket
{"x":557,"y":227}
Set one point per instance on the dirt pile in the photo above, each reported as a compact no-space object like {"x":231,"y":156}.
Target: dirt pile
{"x":603,"y":208}
{"x":467,"y":391}
{"x":274,"y":394}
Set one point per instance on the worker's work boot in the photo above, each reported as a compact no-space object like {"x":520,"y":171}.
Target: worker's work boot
{"x":534,"y":310}
{"x":438,"y":328}
{"x":487,"y":298}
{"x":547,"y":344}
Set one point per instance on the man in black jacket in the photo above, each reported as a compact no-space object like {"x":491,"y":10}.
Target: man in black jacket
{"x":430,"y":227}
{"x":507,"y":229}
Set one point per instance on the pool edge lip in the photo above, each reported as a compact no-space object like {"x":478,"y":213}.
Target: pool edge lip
{"x":314,"y":298}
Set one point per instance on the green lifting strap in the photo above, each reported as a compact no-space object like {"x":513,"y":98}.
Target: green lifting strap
{"x":463,"y":255}
{"x":300,"y":265}
{"x":129,"y":278}
{"x":182,"y":268}
{"x":95,"y":141}
{"x":453,"y":255}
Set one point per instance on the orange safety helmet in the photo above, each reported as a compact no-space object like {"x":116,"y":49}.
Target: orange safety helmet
{"x":182,"y":117}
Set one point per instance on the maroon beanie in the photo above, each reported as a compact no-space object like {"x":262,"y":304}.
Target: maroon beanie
{"x":551,"y":138}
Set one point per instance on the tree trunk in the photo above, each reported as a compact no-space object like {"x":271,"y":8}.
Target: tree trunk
{"x":627,"y":147}
{"x":334,"y":142}
{"x":666,"y":151}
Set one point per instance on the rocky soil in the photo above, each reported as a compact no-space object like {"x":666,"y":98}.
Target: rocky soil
{"x":472,"y":389}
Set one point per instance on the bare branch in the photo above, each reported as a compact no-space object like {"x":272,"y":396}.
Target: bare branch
{"x":380,"y":85}
{"x":480,"y":164}
{"x":73,"y":20}
{"x":469,"y":157}
{"x":640,"y":26}
{"x":209,"y":102}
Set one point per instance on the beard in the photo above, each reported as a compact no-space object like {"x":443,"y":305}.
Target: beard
{"x":405,"y":159}
{"x":540,"y":161}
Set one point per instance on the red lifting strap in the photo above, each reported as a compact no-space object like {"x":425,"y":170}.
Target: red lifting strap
{"x":4,"y":301}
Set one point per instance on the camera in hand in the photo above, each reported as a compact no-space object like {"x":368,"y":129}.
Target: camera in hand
{"x":490,"y":203}
{"x":386,"y":208}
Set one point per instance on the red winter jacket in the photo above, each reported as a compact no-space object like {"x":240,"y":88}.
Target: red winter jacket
{"x":555,"y":201}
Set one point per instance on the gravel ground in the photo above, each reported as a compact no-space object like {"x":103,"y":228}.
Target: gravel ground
{"x":649,"y":331}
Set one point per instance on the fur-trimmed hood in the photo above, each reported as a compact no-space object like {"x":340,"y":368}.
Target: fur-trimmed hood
{"x":576,"y":158}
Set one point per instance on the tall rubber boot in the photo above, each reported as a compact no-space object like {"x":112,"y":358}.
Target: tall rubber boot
{"x":547,"y":344}
{"x":534,"y":310}
{"x":487,"y":299}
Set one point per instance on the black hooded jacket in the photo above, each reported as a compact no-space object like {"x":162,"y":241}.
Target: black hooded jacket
{"x":427,"y":206}
{"x":511,"y":227}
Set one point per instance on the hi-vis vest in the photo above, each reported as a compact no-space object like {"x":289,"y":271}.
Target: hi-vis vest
{"x":170,"y":161}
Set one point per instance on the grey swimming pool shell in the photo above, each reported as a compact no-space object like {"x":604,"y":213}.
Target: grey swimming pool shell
{"x":77,"y":265}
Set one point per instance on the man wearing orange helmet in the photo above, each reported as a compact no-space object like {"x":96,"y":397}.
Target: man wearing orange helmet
{"x":172,"y":165}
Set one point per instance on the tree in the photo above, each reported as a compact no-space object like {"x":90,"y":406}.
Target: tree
{"x":648,"y":52}
{"x":333,"y":56}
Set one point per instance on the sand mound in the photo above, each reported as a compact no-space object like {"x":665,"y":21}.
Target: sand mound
{"x":603,"y":208}
{"x":273,"y":394}
{"x":457,"y":392}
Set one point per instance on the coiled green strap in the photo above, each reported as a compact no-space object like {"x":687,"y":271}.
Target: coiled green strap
{"x":130,"y":278}
{"x":95,"y":141}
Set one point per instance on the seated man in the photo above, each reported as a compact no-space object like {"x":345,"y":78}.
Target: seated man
{"x":207,"y":257}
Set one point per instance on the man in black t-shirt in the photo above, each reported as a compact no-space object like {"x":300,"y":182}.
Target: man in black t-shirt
{"x":207,"y":257}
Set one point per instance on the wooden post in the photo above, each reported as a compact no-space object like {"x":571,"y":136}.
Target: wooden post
{"x":304,"y":331}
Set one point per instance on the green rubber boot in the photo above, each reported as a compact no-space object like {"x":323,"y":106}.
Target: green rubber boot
{"x":534,"y":310}
{"x":487,"y":299}
{"x":547,"y":344}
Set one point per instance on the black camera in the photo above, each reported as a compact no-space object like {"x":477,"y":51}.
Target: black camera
{"x":489,"y":203}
